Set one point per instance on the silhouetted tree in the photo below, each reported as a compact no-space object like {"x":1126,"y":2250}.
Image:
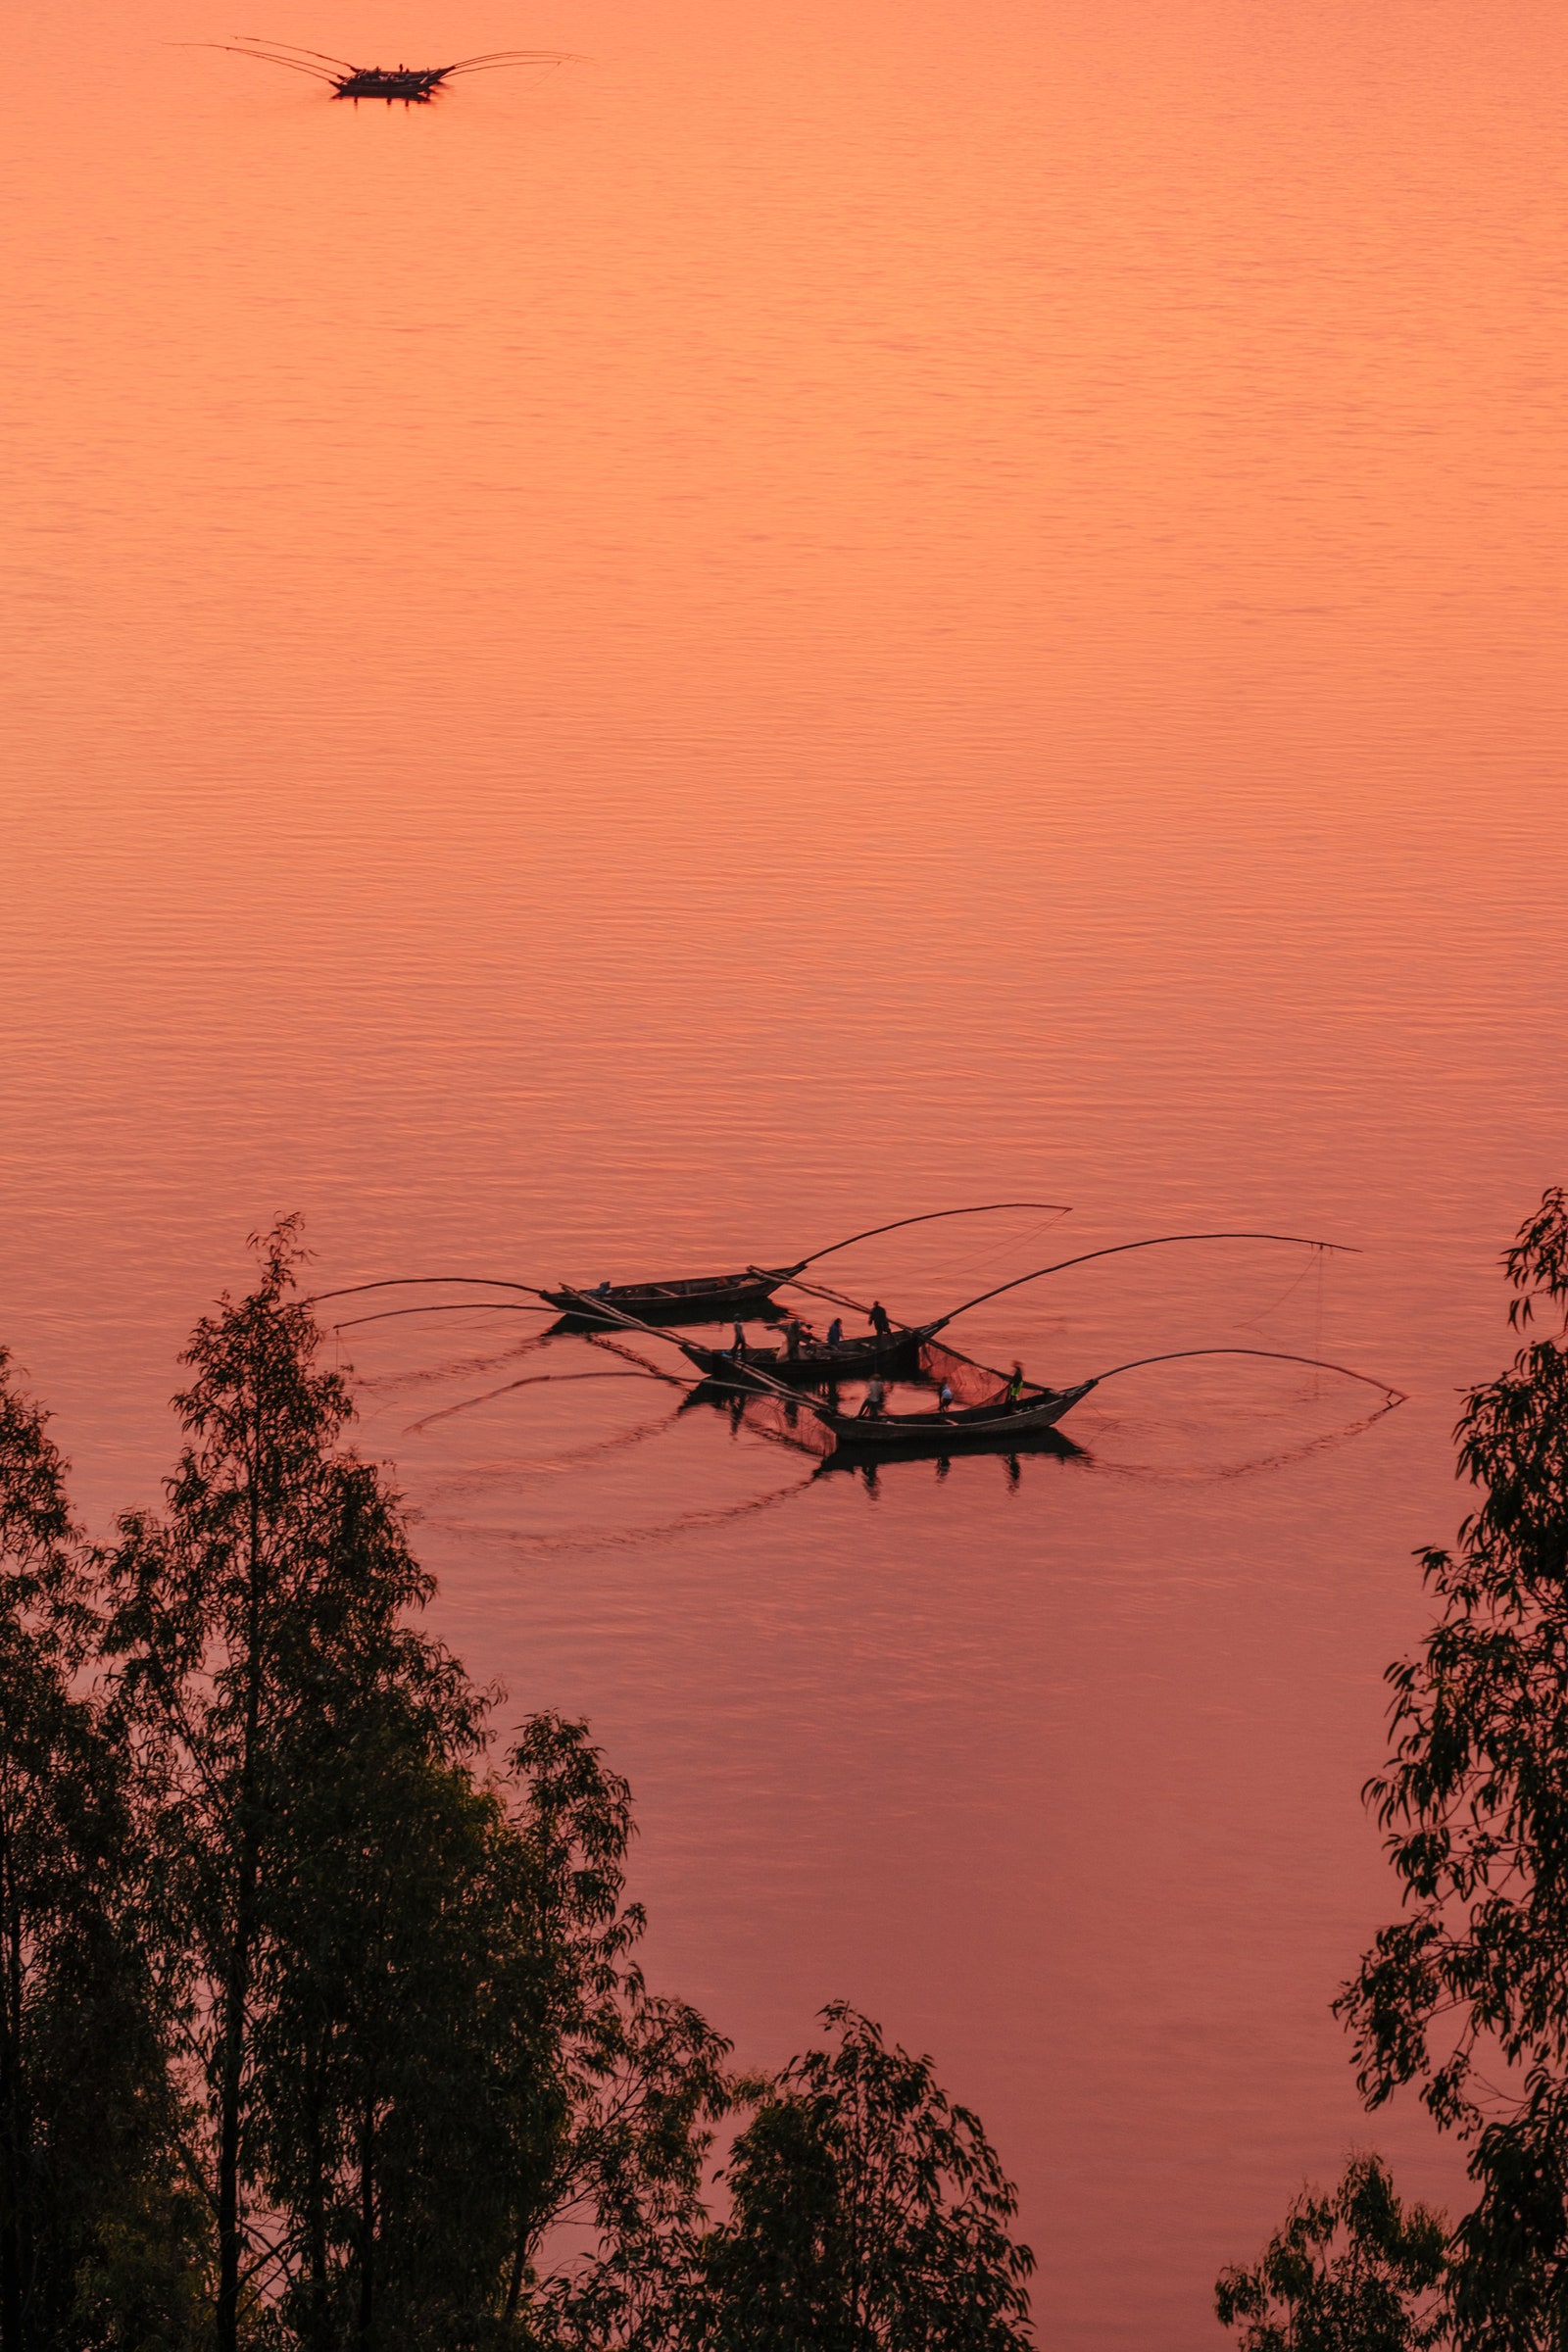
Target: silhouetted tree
{"x":868,"y":2215}
{"x":317,"y":2034}
{"x":1476,"y":1803}
{"x":458,"y":2054}
{"x":100,"y":2239}
{"x":380,"y":2135}
{"x":419,"y":2035}
{"x":1352,"y":2272}
{"x":249,"y":1627}
{"x":621,"y":2125}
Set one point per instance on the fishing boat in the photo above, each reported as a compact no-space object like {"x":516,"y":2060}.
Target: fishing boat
{"x":815,"y":1363}
{"x":700,"y":1298}
{"x":413,"y":85}
{"x":741,"y":1298}
{"x":997,"y":1424}
{"x":735,"y":1297}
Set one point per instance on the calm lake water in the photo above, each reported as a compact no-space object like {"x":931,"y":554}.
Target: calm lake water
{"x":812,"y":617}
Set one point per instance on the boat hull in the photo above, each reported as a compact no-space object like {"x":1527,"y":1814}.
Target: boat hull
{"x":817,"y":1365}
{"x":706,"y":1298}
{"x":985,"y":1427}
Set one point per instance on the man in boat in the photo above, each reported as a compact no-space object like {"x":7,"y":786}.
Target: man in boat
{"x":835,"y":1331}
{"x":1015,"y":1384}
{"x":944,"y":1398}
{"x":740,"y":1339}
{"x":879,"y":1319}
{"x":875,"y":1399}
{"x":792,"y":1339}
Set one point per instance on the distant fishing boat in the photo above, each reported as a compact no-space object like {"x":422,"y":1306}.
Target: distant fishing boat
{"x":407,"y":85}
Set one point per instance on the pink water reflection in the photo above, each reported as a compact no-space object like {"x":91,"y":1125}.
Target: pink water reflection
{"x":807,"y":617}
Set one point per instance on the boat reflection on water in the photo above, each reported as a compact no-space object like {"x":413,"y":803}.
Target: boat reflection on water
{"x":1011,"y":1452}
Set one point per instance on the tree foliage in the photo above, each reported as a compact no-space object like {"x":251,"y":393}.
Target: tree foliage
{"x":383,"y":2047}
{"x":1467,"y":1993}
{"x":418,"y":2037}
{"x":99,"y":2233}
{"x":254,"y":1626}
{"x":320,"y":2027}
{"x":640,"y":2079}
{"x":1351,"y":2272}
{"x":869,"y":2214}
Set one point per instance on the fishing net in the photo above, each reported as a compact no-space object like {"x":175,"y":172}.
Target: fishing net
{"x":971,"y":1383}
{"x":785,"y":1423}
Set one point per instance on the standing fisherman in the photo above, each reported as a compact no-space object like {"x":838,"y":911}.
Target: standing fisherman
{"x":1015,"y":1384}
{"x":879,"y":1319}
{"x":875,"y":1398}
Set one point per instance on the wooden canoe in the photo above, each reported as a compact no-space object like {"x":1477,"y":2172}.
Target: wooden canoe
{"x":817,"y":1365}
{"x":700,"y":1298}
{"x":977,"y":1425}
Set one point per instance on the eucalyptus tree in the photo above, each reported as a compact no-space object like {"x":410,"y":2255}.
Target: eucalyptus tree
{"x":249,"y":1626}
{"x":1467,"y":1993}
{"x":459,"y":2056}
{"x":614,"y":2139}
{"x":387,"y":2053}
{"x":868,"y":2214}
{"x":98,"y":2234}
{"x":1352,"y":2272}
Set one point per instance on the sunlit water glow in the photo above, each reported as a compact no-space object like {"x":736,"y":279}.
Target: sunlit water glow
{"x":817,"y":617}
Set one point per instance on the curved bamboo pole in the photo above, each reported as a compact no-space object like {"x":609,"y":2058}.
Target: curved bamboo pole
{"x":464,"y":1306}
{"x":1157,"y":1241}
{"x":264,"y":56}
{"x":513,"y":56}
{"x":399,"y":1282}
{"x":930,"y":1216}
{"x":1279,"y":1356}
{"x":259,"y":40}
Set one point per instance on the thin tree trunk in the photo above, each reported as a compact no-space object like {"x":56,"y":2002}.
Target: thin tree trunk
{"x":237,"y":1992}
{"x":366,"y":2226}
{"x":315,"y":2211}
{"x":515,"y":2284}
{"x":11,"y":2117}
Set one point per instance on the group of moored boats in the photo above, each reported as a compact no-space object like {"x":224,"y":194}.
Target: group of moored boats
{"x":801,"y":1360}
{"x":1017,"y":1409}
{"x":976,"y":1406}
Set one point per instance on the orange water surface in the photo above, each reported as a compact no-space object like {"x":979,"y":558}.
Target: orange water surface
{"x":819,"y":614}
